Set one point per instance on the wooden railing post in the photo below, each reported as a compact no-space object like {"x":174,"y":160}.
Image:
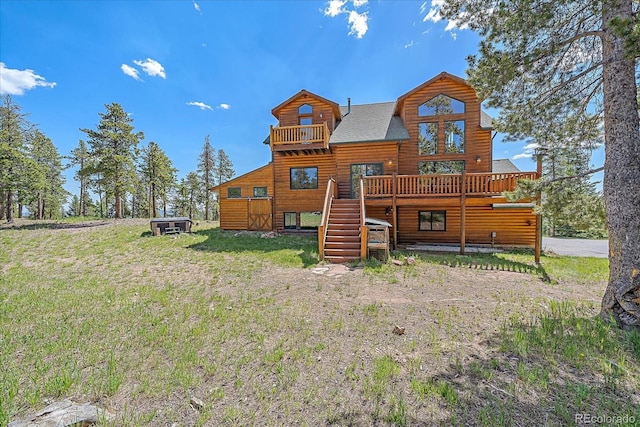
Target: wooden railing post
{"x":394,"y":213}
{"x":463,"y":213}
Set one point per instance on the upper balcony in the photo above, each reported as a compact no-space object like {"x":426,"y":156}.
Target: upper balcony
{"x":445,"y":185}
{"x":300,"y":139}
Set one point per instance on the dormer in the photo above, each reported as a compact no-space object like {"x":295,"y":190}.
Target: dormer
{"x":305,"y":123}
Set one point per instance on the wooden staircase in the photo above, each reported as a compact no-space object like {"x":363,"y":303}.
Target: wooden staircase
{"x":342,"y":243}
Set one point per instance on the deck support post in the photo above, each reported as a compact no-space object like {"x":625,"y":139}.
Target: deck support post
{"x":394,"y":211}
{"x":463,"y":213}
{"x":538,"y":242}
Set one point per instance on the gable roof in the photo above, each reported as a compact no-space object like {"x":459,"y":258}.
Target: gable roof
{"x":369,"y":122}
{"x":503,"y":166}
{"x":441,"y":76}
{"x":334,"y":106}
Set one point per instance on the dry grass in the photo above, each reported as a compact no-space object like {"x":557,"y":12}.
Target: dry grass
{"x":140,"y":324}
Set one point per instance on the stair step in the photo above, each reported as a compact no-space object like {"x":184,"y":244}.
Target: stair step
{"x":342,"y":233}
{"x":342,"y":252}
{"x":342,"y":245}
{"x":340,"y":259}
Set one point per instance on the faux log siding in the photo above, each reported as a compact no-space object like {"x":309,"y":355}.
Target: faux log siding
{"x":288,"y":200}
{"x":512,"y":226}
{"x":361,"y":153}
{"x":234,"y":214}
{"x":322,"y":112}
{"x":477,"y":140}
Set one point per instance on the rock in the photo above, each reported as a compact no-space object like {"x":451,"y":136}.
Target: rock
{"x":196,"y":403}
{"x":410,"y":260}
{"x":269,"y":235}
{"x":64,"y":414}
{"x":398,"y":330}
{"x":397,"y":262}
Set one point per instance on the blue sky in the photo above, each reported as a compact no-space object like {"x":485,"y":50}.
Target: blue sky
{"x":185,"y":69}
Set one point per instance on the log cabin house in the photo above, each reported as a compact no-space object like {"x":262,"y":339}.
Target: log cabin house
{"x":423,"y":163}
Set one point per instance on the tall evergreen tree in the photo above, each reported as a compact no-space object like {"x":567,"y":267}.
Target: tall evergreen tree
{"x":157,"y":175}
{"x":17,"y":170}
{"x":113,"y":146}
{"x":80,"y":157}
{"x":578,"y":57}
{"x":49,"y":193}
{"x":224,"y":167}
{"x":206,"y":171}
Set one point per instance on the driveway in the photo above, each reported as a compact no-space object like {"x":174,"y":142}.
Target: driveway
{"x":576,"y":247}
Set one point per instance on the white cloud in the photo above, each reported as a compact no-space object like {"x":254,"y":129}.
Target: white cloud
{"x":151,"y":67}
{"x":408,"y":45}
{"x":359,"y":23}
{"x":335,"y":8}
{"x":434,"y":16}
{"x":130,"y":71}
{"x":423,"y":8}
{"x":196,"y":6}
{"x":16,"y":82}
{"x":224,"y":106}
{"x":201,"y":105}
{"x":525,"y":155}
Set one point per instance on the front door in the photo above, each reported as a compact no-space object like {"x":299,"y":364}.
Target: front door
{"x":260,"y":214}
{"x":364,"y":169}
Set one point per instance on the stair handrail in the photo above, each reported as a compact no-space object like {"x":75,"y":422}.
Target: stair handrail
{"x":364,"y":230}
{"x":331,"y":193}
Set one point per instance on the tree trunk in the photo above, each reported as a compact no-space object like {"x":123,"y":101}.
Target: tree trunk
{"x":621,"y":186}
{"x":118,"y":207}
{"x":9,"y":206}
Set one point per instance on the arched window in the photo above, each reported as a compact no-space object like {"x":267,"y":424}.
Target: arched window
{"x":441,"y":105}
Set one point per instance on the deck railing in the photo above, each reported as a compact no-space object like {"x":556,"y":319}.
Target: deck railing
{"x":364,"y":231}
{"x":330,"y":194}
{"x":303,"y":134}
{"x":473,"y":184}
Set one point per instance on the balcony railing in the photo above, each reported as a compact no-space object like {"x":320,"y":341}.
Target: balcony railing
{"x":299,"y":137}
{"x":473,"y":184}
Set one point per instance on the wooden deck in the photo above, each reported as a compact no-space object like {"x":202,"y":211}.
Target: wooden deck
{"x":444,"y":185}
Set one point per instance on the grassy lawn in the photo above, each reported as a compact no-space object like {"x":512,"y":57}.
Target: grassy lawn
{"x":139,"y":325}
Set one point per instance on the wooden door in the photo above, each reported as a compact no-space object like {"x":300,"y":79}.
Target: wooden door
{"x":260,"y":215}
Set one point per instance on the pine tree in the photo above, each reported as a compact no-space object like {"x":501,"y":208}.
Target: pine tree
{"x":113,"y":146}
{"x":579,"y":58}
{"x":206,"y":171}
{"x":49,"y":193}
{"x":80,"y":157}
{"x":157,"y":175}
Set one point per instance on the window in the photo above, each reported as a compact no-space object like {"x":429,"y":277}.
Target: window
{"x":430,"y":168}
{"x":290,"y":221}
{"x":259,"y":191}
{"x":432,"y":220}
{"x":310,"y":220}
{"x":234,"y":192}
{"x":428,"y":138}
{"x":441,"y":105}
{"x":365,"y":169}
{"x":305,"y":109}
{"x":304,"y":178}
{"x":454,"y":137}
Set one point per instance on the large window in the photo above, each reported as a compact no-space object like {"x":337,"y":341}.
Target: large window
{"x":290,"y":220}
{"x":430,"y":168}
{"x":454,"y":137}
{"x":428,"y":138}
{"x":259,"y":191}
{"x":364,"y":169}
{"x":441,"y":105}
{"x":432,"y":220}
{"x":304,"y":178}
{"x":234,"y":192}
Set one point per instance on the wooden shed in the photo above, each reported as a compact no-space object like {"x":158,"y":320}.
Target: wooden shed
{"x":170,"y":225}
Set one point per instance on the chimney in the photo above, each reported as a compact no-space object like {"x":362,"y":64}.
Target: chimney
{"x":348,"y":105}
